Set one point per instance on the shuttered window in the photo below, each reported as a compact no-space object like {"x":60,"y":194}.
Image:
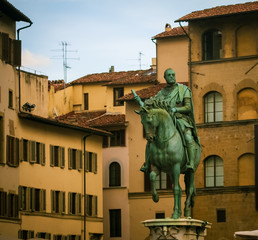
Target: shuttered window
{"x":74,"y":159}
{"x":74,"y":200}
{"x":12,"y":151}
{"x":57,"y":156}
{"x":3,"y":204}
{"x":92,"y":205}
{"x":91,"y":162}
{"x":25,"y":234}
{"x":57,"y":201}
{"x":86,"y":101}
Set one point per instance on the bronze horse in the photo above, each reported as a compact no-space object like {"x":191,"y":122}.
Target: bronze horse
{"x":166,"y":153}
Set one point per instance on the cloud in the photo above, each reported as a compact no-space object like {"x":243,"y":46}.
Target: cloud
{"x":30,"y":59}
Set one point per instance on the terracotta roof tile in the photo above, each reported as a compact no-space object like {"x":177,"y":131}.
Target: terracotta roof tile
{"x":111,"y":77}
{"x":174,"y":32}
{"x":221,"y":11}
{"x":58,"y":85}
{"x":93,"y":119}
{"x":147,"y":92}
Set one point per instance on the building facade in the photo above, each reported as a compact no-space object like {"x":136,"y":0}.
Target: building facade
{"x":47,"y":168}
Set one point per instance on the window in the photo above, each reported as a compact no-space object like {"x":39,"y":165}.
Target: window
{"x":74,"y":200}
{"x":1,"y":136}
{"x":12,"y":151}
{"x":86,"y":101}
{"x":214,"y":176}
{"x":162,"y":182}
{"x":213,"y":107}
{"x":3,"y":204}
{"x":114,"y":174}
{"x":160,"y":215}
{"x":32,"y":151}
{"x":91,"y":162}
{"x":118,"y":138}
{"x":246,"y":169}
{"x":221,"y":215}
{"x":10,"y":99}
{"x":92,"y":205}
{"x":115,"y":222}
{"x":246,"y":41}
{"x":57,"y":156}
{"x":32,"y":199}
{"x":74,"y":159}
{"x":247,"y":104}
{"x":211,"y":45}
{"x":57,"y":201}
{"x":12,"y":205}
{"x":118,"y":93}
{"x":43,"y":235}
{"x":11,"y":50}
{"x":74,"y":237}
{"x":25,"y":234}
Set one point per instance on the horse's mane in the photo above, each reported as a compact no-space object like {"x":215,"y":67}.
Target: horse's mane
{"x":154,"y":103}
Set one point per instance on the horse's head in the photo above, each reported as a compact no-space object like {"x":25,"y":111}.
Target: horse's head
{"x":150,"y":122}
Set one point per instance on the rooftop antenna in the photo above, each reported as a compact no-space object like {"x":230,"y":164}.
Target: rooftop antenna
{"x":64,"y":57}
{"x":139,"y":60}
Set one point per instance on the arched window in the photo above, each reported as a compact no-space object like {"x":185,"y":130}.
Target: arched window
{"x":213,"y":107}
{"x":246,"y":41}
{"x":247,"y":104}
{"x":114,"y":174}
{"x":214,"y":176}
{"x":246,"y":170}
{"x":211,"y":44}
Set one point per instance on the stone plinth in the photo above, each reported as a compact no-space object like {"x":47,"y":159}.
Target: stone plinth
{"x":181,"y":229}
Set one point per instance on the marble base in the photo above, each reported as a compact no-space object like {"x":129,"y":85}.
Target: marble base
{"x":180,"y":229}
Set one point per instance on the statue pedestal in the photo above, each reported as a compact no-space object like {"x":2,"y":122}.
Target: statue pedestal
{"x":181,"y":229}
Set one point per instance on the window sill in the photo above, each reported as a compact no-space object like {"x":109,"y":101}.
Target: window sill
{"x":224,"y":60}
{"x":226,"y":123}
{"x":114,"y":187}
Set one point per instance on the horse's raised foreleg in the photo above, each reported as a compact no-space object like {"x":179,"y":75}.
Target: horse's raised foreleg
{"x":177,"y":192}
{"x":154,"y":173}
{"x":190,"y":192}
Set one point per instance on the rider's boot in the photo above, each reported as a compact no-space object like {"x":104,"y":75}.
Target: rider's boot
{"x":191,"y":150}
{"x":145,"y":167}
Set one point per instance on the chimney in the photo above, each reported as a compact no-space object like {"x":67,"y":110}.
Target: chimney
{"x":111,"y":69}
{"x":167,"y":27}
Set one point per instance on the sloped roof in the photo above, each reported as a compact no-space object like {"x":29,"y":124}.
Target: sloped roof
{"x":147,"y":92}
{"x":57,"y":84}
{"x":221,"y":11}
{"x":93,"y":119}
{"x":8,"y":9}
{"x":174,"y":32}
{"x":123,"y":77}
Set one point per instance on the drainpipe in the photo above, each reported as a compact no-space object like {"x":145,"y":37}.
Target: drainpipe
{"x":190,"y":58}
{"x":84,"y":185}
{"x":156,"y":56}
{"x":19,"y":67}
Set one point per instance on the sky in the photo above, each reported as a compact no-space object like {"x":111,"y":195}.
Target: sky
{"x":99,"y":33}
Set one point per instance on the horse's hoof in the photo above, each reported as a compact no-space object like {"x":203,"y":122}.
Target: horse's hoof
{"x":155,"y":198}
{"x":175,"y":215}
{"x":187,"y":213}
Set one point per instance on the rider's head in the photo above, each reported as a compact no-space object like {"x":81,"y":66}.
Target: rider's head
{"x":169,"y":76}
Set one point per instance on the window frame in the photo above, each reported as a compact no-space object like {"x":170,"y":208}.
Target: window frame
{"x":118,"y":92}
{"x":211,"y":44}
{"x":215,"y":101}
{"x":214,"y":158}
{"x":114,"y":174}
{"x":115,"y":227}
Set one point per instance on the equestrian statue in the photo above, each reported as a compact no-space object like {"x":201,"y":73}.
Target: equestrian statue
{"x":172,"y":146}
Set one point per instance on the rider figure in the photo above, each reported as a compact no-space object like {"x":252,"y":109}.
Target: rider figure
{"x":179,"y":99}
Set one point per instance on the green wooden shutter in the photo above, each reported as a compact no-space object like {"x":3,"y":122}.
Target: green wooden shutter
{"x":43,"y":200}
{"x":69,"y":203}
{"x":16,"y":52}
{"x":28,"y":198}
{"x":48,"y":236}
{"x":21,"y":150}
{"x":32,"y":154}
{"x":51,"y":148}
{"x":33,"y":199}
{"x":20,"y":234}
{"x":87,"y":161}
{"x":20,"y":197}
{"x":62,"y":194}
{"x":94,"y":206}
{"x":53,"y":199}
{"x":61,"y":155}
{"x":78,"y":159}
{"x":5,"y":47}
{"x":70,"y":157}
{"x":16,"y":152}
{"x":95,"y":162}
{"x":42,"y":154}
{"x":78,"y":199}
